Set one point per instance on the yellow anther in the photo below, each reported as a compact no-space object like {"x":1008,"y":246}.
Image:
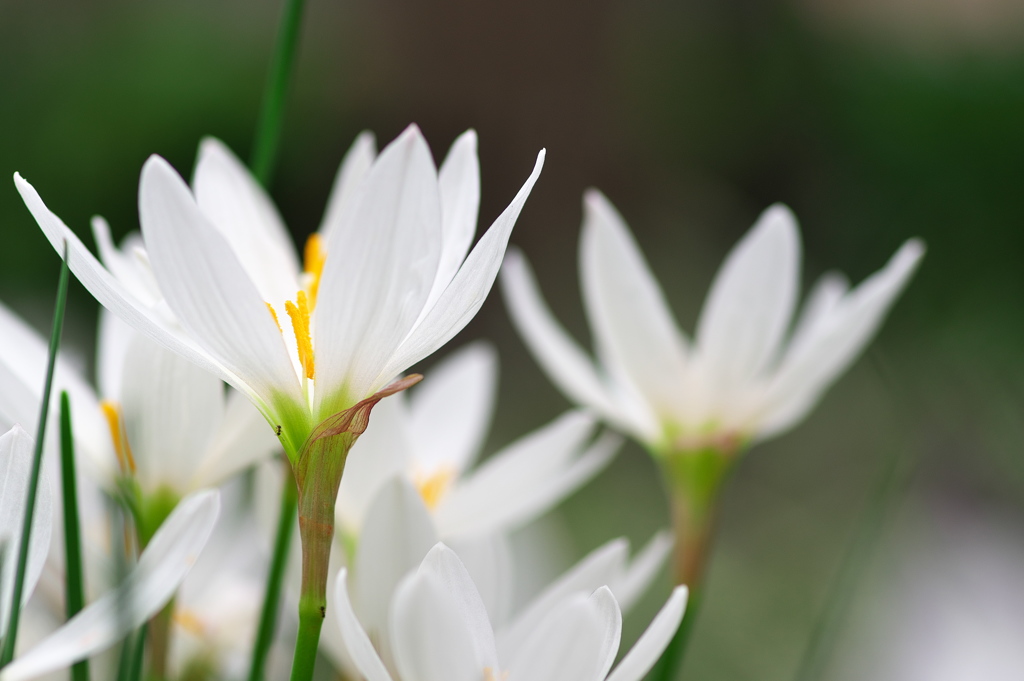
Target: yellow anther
{"x":121,"y":447}
{"x":313,"y":265}
{"x":433,"y":487}
{"x":273,"y":313}
{"x":189,"y":622}
{"x":299,"y":312}
{"x":489,"y":675}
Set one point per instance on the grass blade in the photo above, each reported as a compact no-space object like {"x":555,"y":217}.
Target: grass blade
{"x":7,"y":654}
{"x":75,"y":583}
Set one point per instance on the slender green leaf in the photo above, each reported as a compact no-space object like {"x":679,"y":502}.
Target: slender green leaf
{"x":7,"y":654}
{"x":75,"y":583}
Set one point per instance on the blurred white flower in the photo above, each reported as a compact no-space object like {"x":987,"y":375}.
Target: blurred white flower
{"x":746,"y":376}
{"x":440,"y":629}
{"x":386,"y":281}
{"x":433,"y":437}
{"x":141,"y":594}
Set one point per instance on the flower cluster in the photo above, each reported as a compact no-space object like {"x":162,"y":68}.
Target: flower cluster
{"x":404,"y":568}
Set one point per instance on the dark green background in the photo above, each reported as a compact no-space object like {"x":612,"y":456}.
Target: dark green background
{"x":873,"y":125}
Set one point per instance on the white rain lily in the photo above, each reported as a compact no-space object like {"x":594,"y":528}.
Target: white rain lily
{"x":143,"y":592}
{"x":386,"y":281}
{"x":439,"y":629}
{"x":747,"y":375}
{"x":16,"y":454}
{"x":434,"y":436}
{"x":399,"y":531}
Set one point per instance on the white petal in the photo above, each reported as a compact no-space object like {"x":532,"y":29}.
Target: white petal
{"x":354,"y":167}
{"x":576,"y":641}
{"x":113,"y":339}
{"x":459,"y":182}
{"x":377,"y":277}
{"x":240,"y":209}
{"x":124,"y":264}
{"x":147,"y":588}
{"x":652,"y":643}
{"x":243,"y":439}
{"x":396,"y":536}
{"x":115,"y":295}
{"x":440,"y":629}
{"x":16,"y":454}
{"x":836,"y":340}
{"x":465,"y":294}
{"x":452,"y":408}
{"x":171,"y":409}
{"x":565,"y":363}
{"x":597,"y":568}
{"x":207,"y":287}
{"x":750,"y":304}
{"x":357,"y":643}
{"x":636,"y":334}
{"x":827,"y":293}
{"x":380,"y":453}
{"x":488,"y":559}
{"x":527,"y":478}
{"x":642,"y":570}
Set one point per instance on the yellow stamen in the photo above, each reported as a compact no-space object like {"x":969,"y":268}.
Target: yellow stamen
{"x":433,"y":487}
{"x":121,"y":447}
{"x":189,"y":622}
{"x":299,"y":312}
{"x":313,"y":265}
{"x":489,"y":675}
{"x":273,"y":314}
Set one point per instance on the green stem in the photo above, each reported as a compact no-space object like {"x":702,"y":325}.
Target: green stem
{"x":268,"y":128}
{"x":311,"y":619}
{"x":75,"y":583}
{"x":7,"y":654}
{"x":275,"y":579}
{"x":159,"y":636}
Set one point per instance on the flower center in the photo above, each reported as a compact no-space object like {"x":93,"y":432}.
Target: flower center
{"x":432,"y":487}
{"x":301,"y":308}
{"x":112,"y":412}
{"x":494,"y":675}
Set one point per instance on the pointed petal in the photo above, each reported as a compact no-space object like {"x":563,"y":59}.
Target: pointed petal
{"x":354,"y":167}
{"x":147,"y":588}
{"x":376,"y":278}
{"x":452,"y":409}
{"x":243,"y":439}
{"x":240,"y":209}
{"x":488,"y":559}
{"x":642,"y":570}
{"x":356,"y":642}
{"x":526,"y":479}
{"x":439,"y":625}
{"x":459,"y":182}
{"x":566,"y":364}
{"x":380,"y":453}
{"x":172,"y":410}
{"x":207,"y":287}
{"x":15,"y":469}
{"x":837,"y":338}
{"x":397,"y":534}
{"x":114,"y":294}
{"x":465,"y":294}
{"x":636,"y":333}
{"x":124,"y":263}
{"x":751,"y":301}
{"x":652,"y":643}
{"x":578,"y":640}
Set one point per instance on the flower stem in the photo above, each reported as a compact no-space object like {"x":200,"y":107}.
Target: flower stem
{"x":159,"y":635}
{"x":74,"y":585}
{"x":275,"y":579}
{"x":7,"y":654}
{"x":268,"y":129}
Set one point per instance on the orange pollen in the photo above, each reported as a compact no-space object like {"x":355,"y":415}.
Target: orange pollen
{"x":188,"y":622}
{"x":433,"y":487}
{"x":273,"y":313}
{"x":314,"y":256}
{"x":121,"y":447}
{"x":299,"y":312}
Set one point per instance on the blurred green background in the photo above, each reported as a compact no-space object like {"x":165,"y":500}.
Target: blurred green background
{"x":875,"y":121}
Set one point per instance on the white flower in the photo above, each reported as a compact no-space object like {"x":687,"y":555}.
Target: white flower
{"x":433,"y":437}
{"x":141,"y":594}
{"x":399,"y":531}
{"x":746,"y":376}
{"x":440,"y":630}
{"x":386,"y":281}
